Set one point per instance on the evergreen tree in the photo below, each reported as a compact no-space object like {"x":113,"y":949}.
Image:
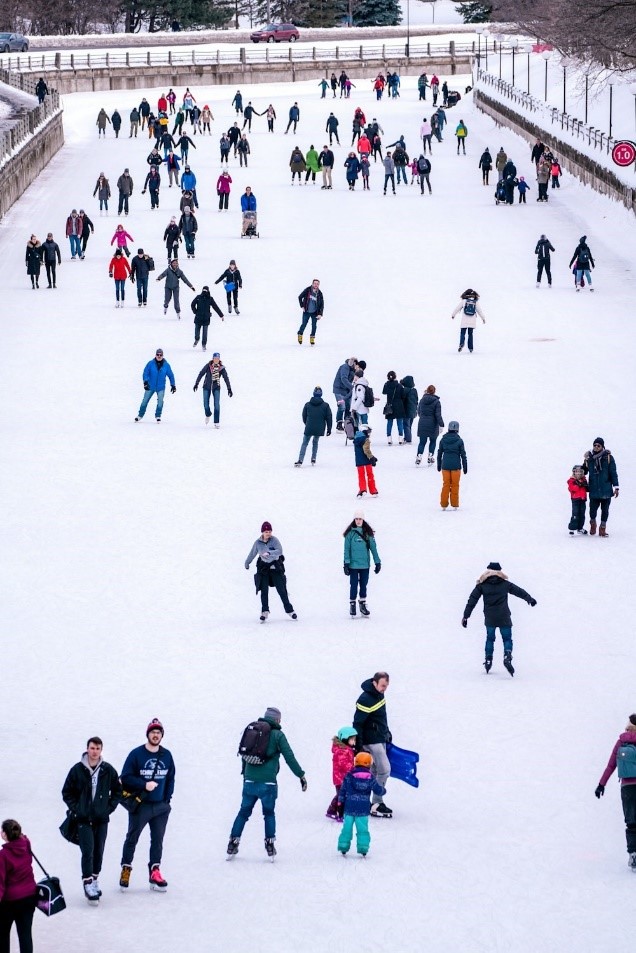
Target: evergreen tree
{"x":325,"y":13}
{"x":377,"y":13}
{"x":475,"y":12}
{"x":282,"y":11}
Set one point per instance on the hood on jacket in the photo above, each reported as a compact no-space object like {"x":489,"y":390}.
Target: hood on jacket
{"x":368,"y":686}
{"x":19,"y":847}
{"x":316,"y":401}
{"x":84,"y":760}
{"x":407,"y":381}
{"x":491,"y":574}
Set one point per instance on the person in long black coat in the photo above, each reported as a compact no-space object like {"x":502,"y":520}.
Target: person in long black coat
{"x":201,"y":307}
{"x":494,"y":587}
{"x":87,"y":229}
{"x":395,"y":408}
{"x":317,"y":418}
{"x":600,"y":467}
{"x":33,"y":259}
{"x":429,"y":425}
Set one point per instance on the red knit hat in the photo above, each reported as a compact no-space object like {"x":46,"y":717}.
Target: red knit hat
{"x":266,"y":527}
{"x":155,"y":725}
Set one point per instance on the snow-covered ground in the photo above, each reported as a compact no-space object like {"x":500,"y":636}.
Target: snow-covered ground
{"x":125,"y":595}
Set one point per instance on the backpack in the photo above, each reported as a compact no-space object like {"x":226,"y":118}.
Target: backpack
{"x":423,"y":166}
{"x":151,"y":262}
{"x":369,"y":399}
{"x":470,"y":307}
{"x":584,"y":257}
{"x":253,"y":744}
{"x":626,"y":761}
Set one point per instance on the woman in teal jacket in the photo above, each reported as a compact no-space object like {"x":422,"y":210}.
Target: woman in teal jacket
{"x":359,"y":546}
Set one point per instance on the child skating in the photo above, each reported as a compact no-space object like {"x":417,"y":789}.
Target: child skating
{"x":470,"y":309}
{"x":343,"y":752}
{"x":577,"y":485}
{"x":365,"y":461}
{"x":355,"y":799}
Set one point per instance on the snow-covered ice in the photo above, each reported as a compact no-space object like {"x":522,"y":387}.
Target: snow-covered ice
{"x":125,"y":595}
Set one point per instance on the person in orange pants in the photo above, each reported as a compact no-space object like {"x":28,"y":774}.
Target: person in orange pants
{"x":451,"y":460}
{"x":365,"y":461}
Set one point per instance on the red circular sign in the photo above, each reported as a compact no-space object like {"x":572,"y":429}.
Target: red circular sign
{"x":624,"y":153}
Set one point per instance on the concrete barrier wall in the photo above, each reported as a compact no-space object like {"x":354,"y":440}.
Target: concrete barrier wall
{"x":237,"y":74}
{"x":582,"y":166}
{"x":24,"y":166}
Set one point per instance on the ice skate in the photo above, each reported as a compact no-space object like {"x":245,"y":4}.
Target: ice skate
{"x":381,"y":810}
{"x":488,"y":663}
{"x":233,"y":847}
{"x":363,"y":608}
{"x":298,"y":463}
{"x":360,"y":493}
{"x":264,"y":616}
{"x":430,"y":460}
{"x":124,"y":877}
{"x":156,"y":879}
{"x":352,"y":608}
{"x":631,"y":862}
{"x":270,"y":848}
{"x":507,"y":660}
{"x":91,"y":892}
{"x":292,"y":615}
{"x":418,"y":459}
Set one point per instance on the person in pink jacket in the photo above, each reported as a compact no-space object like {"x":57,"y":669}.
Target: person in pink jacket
{"x":121,"y":236}
{"x":18,"y":890}
{"x":623,"y":757}
{"x":343,"y":750}
{"x":223,"y":189}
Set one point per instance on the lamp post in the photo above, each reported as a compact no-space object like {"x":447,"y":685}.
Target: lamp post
{"x":546,"y":56}
{"x":587,"y":89}
{"x":486,"y":35}
{"x":514,"y":47}
{"x":527,"y":52}
{"x":500,"y":58}
{"x":479,"y":30}
{"x":611,"y":86}
{"x":408,"y":28}
{"x":565,"y":63}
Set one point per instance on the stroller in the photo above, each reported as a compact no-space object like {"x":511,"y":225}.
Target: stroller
{"x":250,"y":225}
{"x":453,"y":98}
{"x":500,"y":192}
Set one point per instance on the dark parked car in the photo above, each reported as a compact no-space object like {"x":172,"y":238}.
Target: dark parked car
{"x":13,"y":42}
{"x":275,"y":33}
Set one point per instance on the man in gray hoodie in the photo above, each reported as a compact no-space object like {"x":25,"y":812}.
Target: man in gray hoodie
{"x":173,"y":276}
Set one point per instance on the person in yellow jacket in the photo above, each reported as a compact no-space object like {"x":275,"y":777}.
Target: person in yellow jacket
{"x":461,"y":132}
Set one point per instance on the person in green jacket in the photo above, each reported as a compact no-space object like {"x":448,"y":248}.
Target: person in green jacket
{"x":259,"y":784}
{"x":359,"y":546}
{"x":313,"y":165}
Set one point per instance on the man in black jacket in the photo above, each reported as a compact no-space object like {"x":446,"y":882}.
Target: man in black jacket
{"x":494,"y":586}
{"x":139,"y":271}
{"x":542,"y":251}
{"x":91,"y":793}
{"x":312,"y":303}
{"x":87,"y":228}
{"x":326,"y":161}
{"x":332,"y":128}
{"x":51,"y":251}
{"x":372,"y":727}
{"x":316,"y":418}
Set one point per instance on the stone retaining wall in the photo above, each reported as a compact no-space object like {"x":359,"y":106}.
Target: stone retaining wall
{"x":582,"y":166}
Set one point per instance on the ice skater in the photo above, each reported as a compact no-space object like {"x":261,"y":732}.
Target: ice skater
{"x":270,"y":571}
{"x":354,"y":797}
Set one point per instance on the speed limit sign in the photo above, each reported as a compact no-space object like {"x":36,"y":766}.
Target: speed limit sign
{"x":624,"y":153}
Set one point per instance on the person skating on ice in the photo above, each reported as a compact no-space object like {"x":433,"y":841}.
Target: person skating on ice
{"x":542,"y":250}
{"x":317,"y":419}
{"x":312,"y":304}
{"x":371,"y":722}
{"x":600,"y":466}
{"x":623,"y":758}
{"x":359,"y":547}
{"x":354,"y":801}
{"x":583,"y":261}
{"x":494,"y":587}
{"x":364,"y":461}
{"x":201,"y":306}
{"x":173,"y":276}
{"x":470,"y":309}
{"x":451,"y":460}
{"x":343,"y":750}
{"x":232,"y":281}
{"x":119,"y":270}
{"x":577,"y":487}
{"x":270,"y":571}
{"x":211,"y":375}
{"x":154,"y":378}
{"x":429,"y":411}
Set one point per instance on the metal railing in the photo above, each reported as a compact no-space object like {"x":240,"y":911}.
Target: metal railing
{"x":596,"y":138}
{"x":30,"y":118}
{"x":250,"y":55}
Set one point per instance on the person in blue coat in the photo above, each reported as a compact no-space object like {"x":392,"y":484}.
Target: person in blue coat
{"x":343,"y":388}
{"x":352,"y":166}
{"x":602,"y":478}
{"x":356,"y":789}
{"x":189,"y":184}
{"x":248,"y":200}
{"x":317,"y":419}
{"x":154,"y":378}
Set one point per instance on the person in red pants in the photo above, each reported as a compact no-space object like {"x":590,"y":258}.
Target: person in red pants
{"x":365,"y":461}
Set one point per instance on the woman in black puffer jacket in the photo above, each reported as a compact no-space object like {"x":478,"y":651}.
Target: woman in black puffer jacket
{"x":395,"y":408}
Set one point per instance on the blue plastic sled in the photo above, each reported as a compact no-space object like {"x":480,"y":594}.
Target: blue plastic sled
{"x":403,"y":764}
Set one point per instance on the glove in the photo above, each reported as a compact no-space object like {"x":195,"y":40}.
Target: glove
{"x":329,"y":433}
{"x":303,"y":783}
{"x":247,"y":565}
{"x":600,"y":791}
{"x":378,"y":567}
{"x":464,"y":623}
{"x":229,"y":393}
{"x":347,"y":569}
{"x":143,"y":191}
{"x":173,"y":389}
{"x":533,"y":602}
{"x":616,"y":492}
{"x":373,"y":461}
{"x":146,"y":385}
{"x":110,"y":274}
{"x":195,"y":388}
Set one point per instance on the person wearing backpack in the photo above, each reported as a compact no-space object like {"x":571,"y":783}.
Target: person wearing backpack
{"x":623,"y":758}
{"x":494,"y":587}
{"x":260,"y":767}
{"x":316,"y":418}
{"x":394,"y":408}
{"x":430,"y":413}
{"x":410,"y":404}
{"x":543,"y":248}
{"x":600,"y":467}
{"x":470,"y":309}
{"x":364,"y":459}
{"x":423,"y":172}
{"x":583,"y":258}
{"x":362,"y":398}
{"x":359,"y":547}
{"x":485,"y":164}
{"x":270,"y":571}
{"x":461,"y":132}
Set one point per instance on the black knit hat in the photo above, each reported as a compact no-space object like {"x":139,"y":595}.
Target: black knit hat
{"x":600,"y":441}
{"x":494,"y":566}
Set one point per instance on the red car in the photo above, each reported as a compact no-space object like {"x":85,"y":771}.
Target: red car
{"x":276,"y":33}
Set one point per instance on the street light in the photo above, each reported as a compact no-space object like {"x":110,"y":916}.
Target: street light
{"x":514,"y":46}
{"x":479,"y":30}
{"x":587,"y":89}
{"x":565,"y":63}
{"x":500,"y":58}
{"x":611,"y":86}
{"x":408,"y":28}
{"x":546,"y":56}
{"x":486,"y":35}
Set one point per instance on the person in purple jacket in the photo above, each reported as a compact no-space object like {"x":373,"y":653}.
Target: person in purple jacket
{"x":18,"y":890}
{"x":623,"y":757}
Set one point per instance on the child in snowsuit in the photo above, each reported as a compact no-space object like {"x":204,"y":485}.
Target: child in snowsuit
{"x":577,"y":485}
{"x":354,"y":797}
{"x":365,"y":461}
{"x":523,"y":187}
{"x":343,"y":750}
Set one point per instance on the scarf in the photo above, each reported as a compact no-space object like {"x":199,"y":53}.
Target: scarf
{"x":598,"y":458}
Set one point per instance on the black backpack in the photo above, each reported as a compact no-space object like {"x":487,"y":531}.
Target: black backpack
{"x":470,"y":308}
{"x":584,"y":257}
{"x":253,"y":745}
{"x":369,"y":399}
{"x":151,"y":262}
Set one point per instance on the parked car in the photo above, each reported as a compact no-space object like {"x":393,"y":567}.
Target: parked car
{"x":13,"y":42}
{"x":276,"y":33}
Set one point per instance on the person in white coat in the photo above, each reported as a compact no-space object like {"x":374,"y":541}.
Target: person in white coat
{"x":360,"y":384}
{"x":470,"y":310}
{"x":426,"y":132}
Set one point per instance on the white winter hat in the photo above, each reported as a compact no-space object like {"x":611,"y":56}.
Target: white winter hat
{"x":358,"y":515}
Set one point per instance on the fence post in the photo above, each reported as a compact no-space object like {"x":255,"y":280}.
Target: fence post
{"x":361,"y":57}
{"x":337,"y":53}
{"x":107,"y":60}
{"x":428,"y":49}
{"x":169,"y":57}
{"x":242,"y":55}
{"x":313,"y":53}
{"x":58,"y":60}
{"x":72,"y":61}
{"x":193,"y":56}
{"x":267,"y":52}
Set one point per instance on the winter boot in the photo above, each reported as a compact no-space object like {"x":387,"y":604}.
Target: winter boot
{"x":90,"y":891}
{"x":270,"y":848}
{"x":592,"y":527}
{"x":418,"y":459}
{"x":233,"y":846}
{"x":507,"y":660}
{"x":124,"y":877}
{"x":631,"y":862}
{"x":300,"y":339}
{"x":363,"y":608}
{"x":602,"y":531}
{"x":312,"y":340}
{"x":156,"y":879}
{"x":352,"y":608}
{"x":488,"y":663}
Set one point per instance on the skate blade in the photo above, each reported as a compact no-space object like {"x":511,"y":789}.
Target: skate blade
{"x":158,"y":889}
